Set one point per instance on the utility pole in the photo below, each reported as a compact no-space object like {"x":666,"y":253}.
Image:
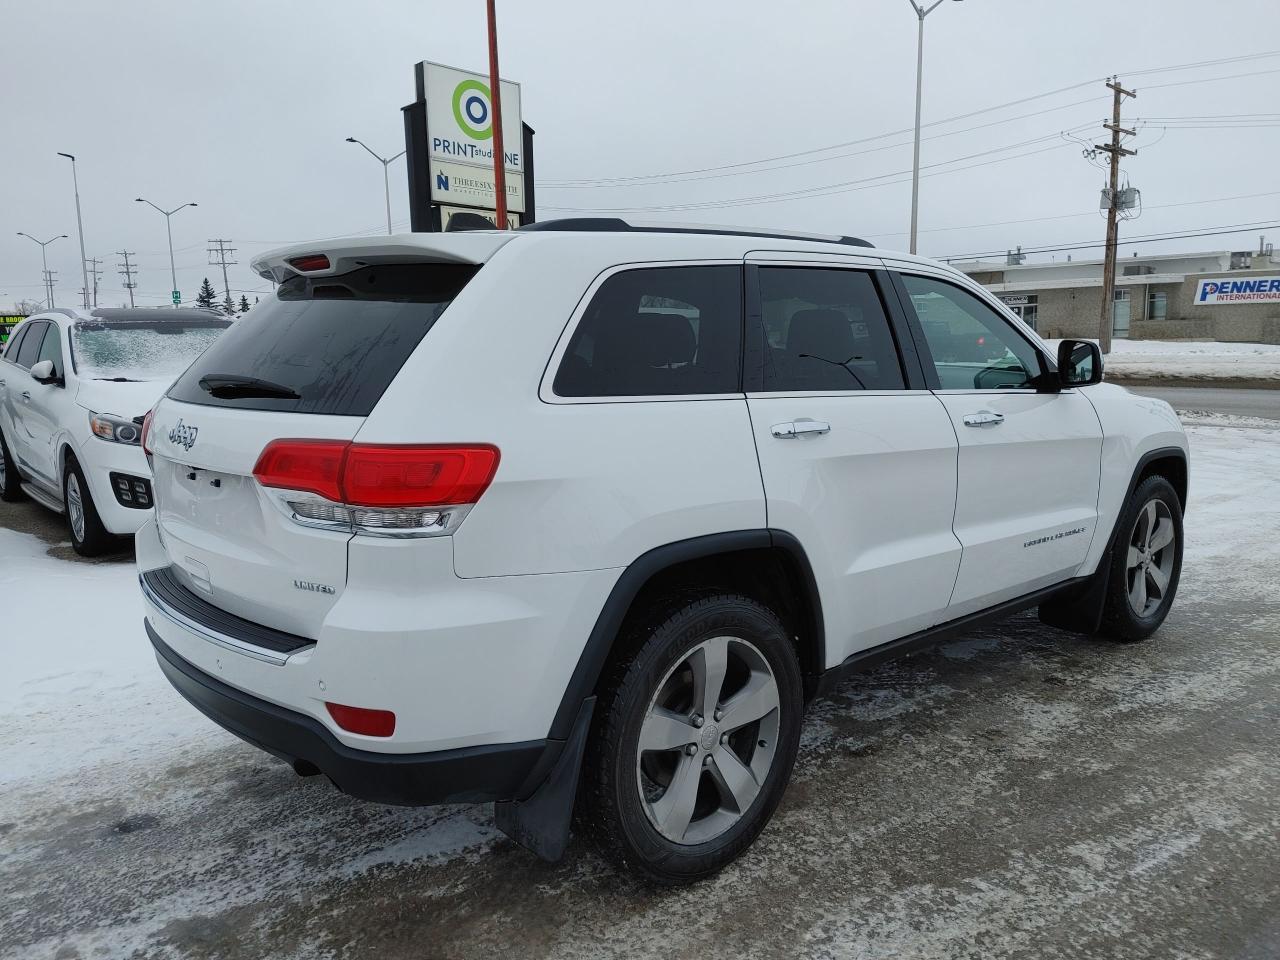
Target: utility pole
{"x":1116,"y":152}
{"x":495,"y":102}
{"x":44,"y":262}
{"x":95,"y":273}
{"x":127,"y":273}
{"x":49,"y":281}
{"x":222,"y":251}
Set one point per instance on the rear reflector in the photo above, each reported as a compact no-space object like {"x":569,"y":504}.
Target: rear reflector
{"x":312,"y":261}
{"x":370,"y":723}
{"x":368,"y":475}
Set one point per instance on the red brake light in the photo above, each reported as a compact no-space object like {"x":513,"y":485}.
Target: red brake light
{"x":146,"y":431}
{"x":371,"y":723}
{"x":421,"y":476}
{"x":312,"y":261}
{"x":369,"y":475}
{"x":311,"y":465}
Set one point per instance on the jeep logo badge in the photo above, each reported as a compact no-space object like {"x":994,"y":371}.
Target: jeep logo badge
{"x":182,"y":435}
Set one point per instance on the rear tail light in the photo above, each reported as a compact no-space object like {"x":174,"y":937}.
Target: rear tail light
{"x":362,"y":720}
{"x":422,"y":490}
{"x":146,"y":432}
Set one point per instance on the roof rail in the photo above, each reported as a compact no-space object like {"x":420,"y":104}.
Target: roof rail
{"x":618,"y":225}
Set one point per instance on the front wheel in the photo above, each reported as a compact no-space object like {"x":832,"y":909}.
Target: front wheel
{"x":1147,"y":562}
{"x":694,"y":739}
{"x":89,"y":537}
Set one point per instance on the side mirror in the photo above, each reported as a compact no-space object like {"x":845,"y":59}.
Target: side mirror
{"x":43,"y":372}
{"x":1079,"y":363}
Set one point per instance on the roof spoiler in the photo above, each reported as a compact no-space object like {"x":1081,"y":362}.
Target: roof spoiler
{"x":344,"y":254}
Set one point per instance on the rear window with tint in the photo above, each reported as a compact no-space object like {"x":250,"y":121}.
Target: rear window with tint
{"x":324,"y":345}
{"x":658,"y":331}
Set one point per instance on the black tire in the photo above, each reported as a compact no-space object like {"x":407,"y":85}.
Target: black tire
{"x":610,"y":809}
{"x":10,"y":482}
{"x":94,"y":540}
{"x":1120,"y":620}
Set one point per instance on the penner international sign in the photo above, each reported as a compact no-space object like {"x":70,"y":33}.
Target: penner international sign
{"x":1238,"y":290}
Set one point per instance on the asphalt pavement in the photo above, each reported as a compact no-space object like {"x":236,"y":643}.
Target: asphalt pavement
{"x":1221,"y":400}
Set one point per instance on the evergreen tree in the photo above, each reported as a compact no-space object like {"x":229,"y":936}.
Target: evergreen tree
{"x":244,"y":303}
{"x":228,"y":307}
{"x":206,"y":297}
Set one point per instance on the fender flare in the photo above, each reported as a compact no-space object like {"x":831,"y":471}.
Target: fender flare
{"x":1081,"y":611}
{"x":600,"y":641}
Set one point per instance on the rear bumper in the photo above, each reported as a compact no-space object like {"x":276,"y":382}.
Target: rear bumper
{"x":463,"y":775}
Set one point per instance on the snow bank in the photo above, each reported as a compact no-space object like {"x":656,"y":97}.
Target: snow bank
{"x":1191,"y":360}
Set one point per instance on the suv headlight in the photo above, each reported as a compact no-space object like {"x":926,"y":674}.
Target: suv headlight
{"x":115,"y":429}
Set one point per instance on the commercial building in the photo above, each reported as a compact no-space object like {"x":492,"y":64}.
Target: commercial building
{"x":1223,"y":295}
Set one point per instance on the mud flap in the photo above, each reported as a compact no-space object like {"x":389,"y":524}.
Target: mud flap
{"x":1080,"y":611}
{"x":540,"y":823}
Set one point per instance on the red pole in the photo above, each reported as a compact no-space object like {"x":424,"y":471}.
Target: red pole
{"x":495,"y":100}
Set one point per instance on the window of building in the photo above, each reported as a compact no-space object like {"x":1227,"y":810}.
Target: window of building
{"x":826,"y":329}
{"x":973,"y":347}
{"x":1157,"y":306}
{"x":658,"y":331}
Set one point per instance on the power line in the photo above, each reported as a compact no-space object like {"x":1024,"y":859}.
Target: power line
{"x":656,"y":177}
{"x":848,"y":186}
{"x":1149,"y":238}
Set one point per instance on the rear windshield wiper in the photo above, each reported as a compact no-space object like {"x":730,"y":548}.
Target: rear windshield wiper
{"x":117,"y":379}
{"x":227,"y":386}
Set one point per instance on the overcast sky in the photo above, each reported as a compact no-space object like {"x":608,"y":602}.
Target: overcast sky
{"x":243,"y":107}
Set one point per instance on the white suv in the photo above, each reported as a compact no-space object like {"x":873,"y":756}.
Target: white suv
{"x":591,"y":511}
{"x":74,"y":387}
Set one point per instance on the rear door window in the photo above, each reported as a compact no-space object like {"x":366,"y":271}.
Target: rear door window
{"x":826,"y":329}
{"x":658,"y":331}
{"x":324,"y":345}
{"x":15,"y":343}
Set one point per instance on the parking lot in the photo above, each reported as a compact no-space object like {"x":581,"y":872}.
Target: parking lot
{"x":1021,"y":792}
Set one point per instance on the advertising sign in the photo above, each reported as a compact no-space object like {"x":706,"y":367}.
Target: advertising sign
{"x":460,"y":117}
{"x":448,"y":213}
{"x":1238,"y":290}
{"x":466,"y":186}
{"x":1015,"y":299}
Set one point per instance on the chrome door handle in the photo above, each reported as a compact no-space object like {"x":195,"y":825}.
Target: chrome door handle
{"x":803,"y":427}
{"x":983,"y":418}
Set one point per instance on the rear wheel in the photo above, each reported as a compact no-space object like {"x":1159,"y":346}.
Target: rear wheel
{"x":694,"y":739}
{"x":1147,"y":562}
{"x":10,"y":482}
{"x":89,"y":537}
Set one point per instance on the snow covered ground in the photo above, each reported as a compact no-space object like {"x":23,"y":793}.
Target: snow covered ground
{"x":1189,"y":360}
{"x":1022,"y":789}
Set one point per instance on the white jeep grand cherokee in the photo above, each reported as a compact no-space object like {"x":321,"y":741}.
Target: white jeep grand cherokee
{"x":578,"y":518}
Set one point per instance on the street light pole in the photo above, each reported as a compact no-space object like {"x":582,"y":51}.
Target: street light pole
{"x":44,"y":262}
{"x":386,"y":180}
{"x":921,"y":13}
{"x":84,"y":266}
{"x":173,"y":273}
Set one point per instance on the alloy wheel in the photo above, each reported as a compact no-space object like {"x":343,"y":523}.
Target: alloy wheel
{"x":708,"y":740}
{"x":1151,"y":556}
{"x":75,"y":507}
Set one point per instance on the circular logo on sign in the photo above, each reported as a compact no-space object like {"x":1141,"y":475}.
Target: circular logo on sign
{"x":472,"y":111}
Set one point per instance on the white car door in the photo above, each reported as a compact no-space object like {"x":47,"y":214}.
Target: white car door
{"x":858,"y":457}
{"x":17,"y":386}
{"x":1030,"y":456}
{"x":49,"y":406}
